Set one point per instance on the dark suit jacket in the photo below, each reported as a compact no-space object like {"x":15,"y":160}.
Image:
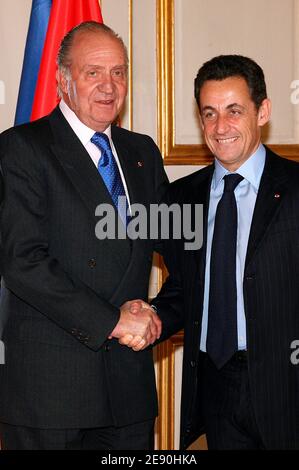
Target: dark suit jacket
{"x":63,"y":286}
{"x":271,"y":297}
{"x":1,"y":197}
{"x":1,"y":185}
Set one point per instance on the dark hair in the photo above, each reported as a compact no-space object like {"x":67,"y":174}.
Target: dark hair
{"x":225,"y":66}
{"x":63,"y":57}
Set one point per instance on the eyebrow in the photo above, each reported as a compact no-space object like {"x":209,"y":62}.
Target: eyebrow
{"x":87,"y":66}
{"x":230,"y":106}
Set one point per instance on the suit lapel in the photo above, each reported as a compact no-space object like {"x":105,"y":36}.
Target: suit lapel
{"x":131,"y":164}
{"x":201,"y":195}
{"x":82,"y":172}
{"x":206,"y":187}
{"x":194,"y":261}
{"x":273,"y":187}
{"x":77,"y":164}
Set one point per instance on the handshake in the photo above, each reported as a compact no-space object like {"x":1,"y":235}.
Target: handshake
{"x":138,"y":325}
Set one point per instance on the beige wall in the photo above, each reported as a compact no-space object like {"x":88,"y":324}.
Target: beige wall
{"x":203,"y":28}
{"x":262,"y":29}
{"x":14,"y":17}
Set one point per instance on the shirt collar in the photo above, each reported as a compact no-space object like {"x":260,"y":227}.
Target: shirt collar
{"x":251,"y":170}
{"x":83,"y":132}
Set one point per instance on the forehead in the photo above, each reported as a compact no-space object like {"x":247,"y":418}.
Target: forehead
{"x":227,"y":91}
{"x":97,"y":46}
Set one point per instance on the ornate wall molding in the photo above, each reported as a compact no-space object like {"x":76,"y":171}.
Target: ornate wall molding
{"x":166,"y":392}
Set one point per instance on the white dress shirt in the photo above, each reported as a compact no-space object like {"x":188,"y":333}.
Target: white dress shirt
{"x":84,"y":134}
{"x":245,"y":194}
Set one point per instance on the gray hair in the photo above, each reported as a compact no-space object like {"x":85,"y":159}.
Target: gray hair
{"x":63,"y":57}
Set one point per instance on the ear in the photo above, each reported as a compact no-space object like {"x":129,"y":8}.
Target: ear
{"x":62,"y":81}
{"x":200,"y":120}
{"x":264,"y":112}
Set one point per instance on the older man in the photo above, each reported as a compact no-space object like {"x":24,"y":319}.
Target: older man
{"x":67,"y":381}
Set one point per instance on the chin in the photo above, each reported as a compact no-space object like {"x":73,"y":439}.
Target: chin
{"x":228,"y":154}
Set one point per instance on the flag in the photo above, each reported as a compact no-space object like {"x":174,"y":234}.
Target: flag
{"x":38,"y":24}
{"x":64,"y":15}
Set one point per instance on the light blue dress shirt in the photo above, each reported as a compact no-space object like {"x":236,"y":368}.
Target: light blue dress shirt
{"x":245,"y":193}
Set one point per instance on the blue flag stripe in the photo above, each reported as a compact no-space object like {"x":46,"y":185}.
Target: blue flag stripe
{"x":38,"y":24}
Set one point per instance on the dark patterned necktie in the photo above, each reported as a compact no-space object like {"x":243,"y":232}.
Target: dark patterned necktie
{"x":222,"y":335}
{"x":109,"y":171}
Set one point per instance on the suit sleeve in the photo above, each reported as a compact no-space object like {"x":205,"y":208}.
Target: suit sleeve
{"x":30,"y":272}
{"x":1,"y":185}
{"x":159,"y":177}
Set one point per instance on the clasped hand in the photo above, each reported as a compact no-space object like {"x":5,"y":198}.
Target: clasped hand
{"x":138,"y":325}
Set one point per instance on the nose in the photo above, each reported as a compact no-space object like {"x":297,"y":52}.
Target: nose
{"x":106,"y":83}
{"x":221,"y":125}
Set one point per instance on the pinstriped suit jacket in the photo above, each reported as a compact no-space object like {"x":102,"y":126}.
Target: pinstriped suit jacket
{"x":63,"y":286}
{"x":271,"y":297}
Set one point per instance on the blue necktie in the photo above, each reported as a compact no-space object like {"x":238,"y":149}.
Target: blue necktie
{"x":108,"y":169}
{"x":222,"y":336}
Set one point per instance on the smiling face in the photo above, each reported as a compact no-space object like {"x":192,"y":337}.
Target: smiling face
{"x":97,"y":85}
{"x":230,"y":121}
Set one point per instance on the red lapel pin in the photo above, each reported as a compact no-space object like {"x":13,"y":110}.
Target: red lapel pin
{"x":277,"y":195}
{"x":140,"y":164}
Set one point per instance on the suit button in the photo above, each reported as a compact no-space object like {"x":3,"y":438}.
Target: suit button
{"x":107,"y":347}
{"x":92,"y":263}
{"x":196,"y":323}
{"x":250,"y":277}
{"x":192,"y":363}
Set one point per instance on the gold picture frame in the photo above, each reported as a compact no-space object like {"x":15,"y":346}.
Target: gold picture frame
{"x":182,"y":154}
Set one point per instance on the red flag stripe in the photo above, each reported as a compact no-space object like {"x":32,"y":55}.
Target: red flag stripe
{"x":65,"y":14}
